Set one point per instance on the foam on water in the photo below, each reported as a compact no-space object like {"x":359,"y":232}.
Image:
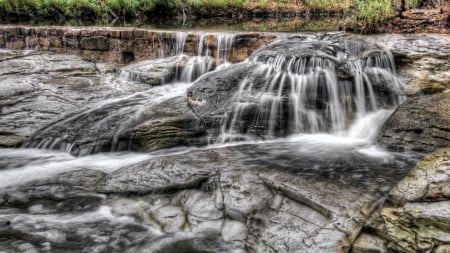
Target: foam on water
{"x":40,"y":164}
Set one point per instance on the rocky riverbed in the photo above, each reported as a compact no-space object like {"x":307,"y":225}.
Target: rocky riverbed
{"x":167,"y":188}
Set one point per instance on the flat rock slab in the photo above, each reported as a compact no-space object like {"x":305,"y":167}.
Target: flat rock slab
{"x":238,"y":199}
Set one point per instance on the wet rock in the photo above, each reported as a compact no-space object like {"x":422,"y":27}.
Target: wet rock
{"x":422,"y":60}
{"x":243,"y":194}
{"x":280,"y":227}
{"x":171,"y":124}
{"x":161,"y":174}
{"x":215,"y":91}
{"x":415,"y":217}
{"x":67,"y":192}
{"x":11,"y":140}
{"x":428,"y":181}
{"x":186,"y":243}
{"x":95,"y":231}
{"x":153,"y":72}
{"x":171,"y":218}
{"x":130,"y":123}
{"x":95,"y":43}
{"x":46,"y":64}
{"x":228,"y":199}
{"x":369,"y":243}
{"x":38,"y":89}
{"x":421,"y":124}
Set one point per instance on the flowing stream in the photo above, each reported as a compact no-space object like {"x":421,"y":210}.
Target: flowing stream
{"x":310,"y":107}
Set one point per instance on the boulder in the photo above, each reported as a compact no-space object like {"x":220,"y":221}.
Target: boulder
{"x":415,"y":217}
{"x":130,"y":123}
{"x":168,"y":128}
{"x":428,"y":181}
{"x":421,"y":124}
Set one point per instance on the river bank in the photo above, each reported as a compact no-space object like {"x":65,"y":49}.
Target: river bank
{"x":255,"y":16}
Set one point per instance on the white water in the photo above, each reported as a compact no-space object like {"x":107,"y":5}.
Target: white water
{"x":304,"y":92}
{"x":45,"y":163}
{"x":187,"y":67}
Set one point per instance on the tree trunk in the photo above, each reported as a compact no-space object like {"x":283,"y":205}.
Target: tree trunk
{"x":402,"y":8}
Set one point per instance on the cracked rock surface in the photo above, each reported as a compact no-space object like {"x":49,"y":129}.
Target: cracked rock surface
{"x":227,"y":199}
{"x":416,"y":216}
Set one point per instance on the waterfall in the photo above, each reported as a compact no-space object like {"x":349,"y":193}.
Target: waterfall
{"x":224,"y":42}
{"x":180,"y":41}
{"x":180,"y":66}
{"x":195,"y":67}
{"x":317,"y":87}
{"x":161,"y":52}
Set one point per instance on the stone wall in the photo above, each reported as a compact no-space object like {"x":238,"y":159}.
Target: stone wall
{"x":122,"y":45}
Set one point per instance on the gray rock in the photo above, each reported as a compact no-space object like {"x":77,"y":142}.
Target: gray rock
{"x":244,"y":193}
{"x":161,"y":174}
{"x":422,"y":59}
{"x":138,"y":122}
{"x":46,"y":64}
{"x":154,"y":72}
{"x":416,"y":217}
{"x":38,"y":89}
{"x":68,"y":192}
{"x":420,"y":124}
{"x":428,"y":181}
{"x":168,"y":124}
{"x":367,"y":243}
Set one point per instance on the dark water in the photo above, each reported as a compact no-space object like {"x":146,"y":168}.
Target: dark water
{"x":294,"y":24}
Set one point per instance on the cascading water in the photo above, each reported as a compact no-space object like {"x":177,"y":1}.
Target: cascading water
{"x":180,"y":66}
{"x":311,"y":86}
{"x":224,"y":42}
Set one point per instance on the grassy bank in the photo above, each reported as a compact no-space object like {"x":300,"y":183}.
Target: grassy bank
{"x":372,"y":11}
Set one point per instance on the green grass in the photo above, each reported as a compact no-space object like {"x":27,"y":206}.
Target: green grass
{"x":373,"y":11}
{"x":107,"y":10}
